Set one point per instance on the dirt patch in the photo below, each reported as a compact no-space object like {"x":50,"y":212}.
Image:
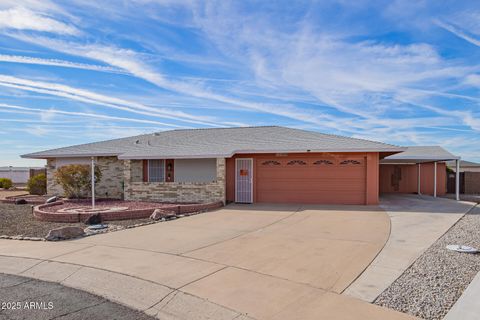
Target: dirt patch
{"x":18,"y":220}
{"x":8,"y":193}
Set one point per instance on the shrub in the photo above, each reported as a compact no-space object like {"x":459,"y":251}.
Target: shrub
{"x":37,"y":184}
{"x":5,"y":183}
{"x":75,"y":179}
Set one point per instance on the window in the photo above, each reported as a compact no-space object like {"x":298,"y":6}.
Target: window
{"x":156,"y":170}
{"x":350,"y":162}
{"x":271,"y":163}
{"x":299,"y":162}
{"x":319,"y":162}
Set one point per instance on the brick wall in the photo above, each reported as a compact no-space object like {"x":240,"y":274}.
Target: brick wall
{"x":110,"y":185}
{"x":472,"y":182}
{"x":178,"y":192}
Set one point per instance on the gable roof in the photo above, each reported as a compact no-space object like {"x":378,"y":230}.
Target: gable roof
{"x":217,"y":142}
{"x":419,"y":154}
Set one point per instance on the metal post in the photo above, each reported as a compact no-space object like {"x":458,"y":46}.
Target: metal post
{"x":435,"y":179}
{"x":418,"y":179}
{"x":93,"y":182}
{"x":457,"y":180}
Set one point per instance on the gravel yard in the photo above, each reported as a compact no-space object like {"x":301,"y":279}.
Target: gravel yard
{"x":18,"y":220}
{"x":430,"y":287}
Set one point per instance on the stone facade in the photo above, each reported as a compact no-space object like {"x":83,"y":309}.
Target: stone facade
{"x":177,"y":192}
{"x":110,"y":185}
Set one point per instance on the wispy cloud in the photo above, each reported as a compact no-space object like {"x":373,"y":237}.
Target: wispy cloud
{"x":99,"y":99}
{"x":458,"y":32}
{"x":21,"y":18}
{"x":26,"y":110}
{"x":58,"y":63}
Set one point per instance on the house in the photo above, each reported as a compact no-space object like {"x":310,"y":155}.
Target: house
{"x":469,"y":177}
{"x":465,"y":166}
{"x":248,"y":164}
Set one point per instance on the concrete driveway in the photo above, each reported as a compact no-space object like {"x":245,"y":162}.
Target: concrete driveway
{"x":240,"y":262}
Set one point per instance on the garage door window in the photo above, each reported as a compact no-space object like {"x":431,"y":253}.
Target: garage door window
{"x":296,"y":162}
{"x":323,"y":162}
{"x":352,"y":162}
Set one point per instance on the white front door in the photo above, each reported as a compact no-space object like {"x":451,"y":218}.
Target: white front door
{"x":244,"y":180}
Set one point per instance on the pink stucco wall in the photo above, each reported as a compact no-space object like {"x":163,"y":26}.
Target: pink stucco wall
{"x":406,"y":181}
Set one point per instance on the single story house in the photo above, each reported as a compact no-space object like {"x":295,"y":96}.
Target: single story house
{"x":253,"y":164}
{"x":465,"y":166}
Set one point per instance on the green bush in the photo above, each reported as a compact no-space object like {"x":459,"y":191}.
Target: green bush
{"x":75,"y":179}
{"x":37,"y":184}
{"x":5,"y":183}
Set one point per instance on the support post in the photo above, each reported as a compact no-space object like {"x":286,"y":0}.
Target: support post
{"x":435,"y":179}
{"x":418,"y":180}
{"x":457,"y":180}
{"x":93,"y":182}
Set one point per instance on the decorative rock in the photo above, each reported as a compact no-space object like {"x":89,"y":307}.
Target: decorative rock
{"x":162,"y":214}
{"x":94,"y":219}
{"x":20,"y":201}
{"x":64,"y":233}
{"x":52,"y":199}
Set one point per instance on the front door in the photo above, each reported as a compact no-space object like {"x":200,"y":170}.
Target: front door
{"x":244,"y":180}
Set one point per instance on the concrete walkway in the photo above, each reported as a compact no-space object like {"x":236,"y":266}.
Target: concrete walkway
{"x":416,"y":223}
{"x":467,"y":306}
{"x":35,"y":299}
{"x":240,"y":262}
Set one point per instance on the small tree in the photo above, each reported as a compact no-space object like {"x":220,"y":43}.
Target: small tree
{"x":75,"y":179}
{"x":5,"y":183}
{"x":37,"y":184}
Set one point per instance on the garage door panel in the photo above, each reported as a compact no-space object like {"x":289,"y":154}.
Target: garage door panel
{"x":299,"y":180}
{"x":324,"y":174}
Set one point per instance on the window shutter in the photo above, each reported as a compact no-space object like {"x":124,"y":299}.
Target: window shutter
{"x":145,"y":170}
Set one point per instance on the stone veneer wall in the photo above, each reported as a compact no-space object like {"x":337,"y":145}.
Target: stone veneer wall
{"x":110,"y":186}
{"x":178,"y":192}
{"x":472,"y":182}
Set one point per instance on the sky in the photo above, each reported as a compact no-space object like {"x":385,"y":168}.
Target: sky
{"x":77,"y":71}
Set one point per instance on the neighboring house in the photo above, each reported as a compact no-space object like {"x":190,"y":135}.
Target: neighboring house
{"x":18,"y":175}
{"x":465,"y":166}
{"x":245,"y":165}
{"x":469,"y":177}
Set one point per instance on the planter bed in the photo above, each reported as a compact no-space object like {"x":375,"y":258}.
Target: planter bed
{"x":79,"y":210}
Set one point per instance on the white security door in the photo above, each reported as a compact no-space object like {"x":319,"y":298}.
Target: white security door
{"x":244,"y":180}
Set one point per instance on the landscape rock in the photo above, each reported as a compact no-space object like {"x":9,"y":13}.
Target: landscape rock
{"x":20,"y":201}
{"x":94,"y":219}
{"x":64,"y":233}
{"x":52,"y":199}
{"x":162,"y":214}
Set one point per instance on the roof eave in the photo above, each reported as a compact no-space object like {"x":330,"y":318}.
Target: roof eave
{"x":73,"y":155}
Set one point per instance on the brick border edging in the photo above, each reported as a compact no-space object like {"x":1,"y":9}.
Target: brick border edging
{"x":11,"y":199}
{"x":178,"y":209}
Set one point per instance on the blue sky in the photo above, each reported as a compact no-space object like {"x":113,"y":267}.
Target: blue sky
{"x":402,"y":72}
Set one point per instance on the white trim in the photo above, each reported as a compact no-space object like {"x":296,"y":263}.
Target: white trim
{"x":435,"y":179}
{"x":251,"y":181}
{"x":457,"y":180}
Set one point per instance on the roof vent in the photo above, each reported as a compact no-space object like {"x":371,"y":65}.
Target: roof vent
{"x":137,"y":141}
{"x":156,"y":133}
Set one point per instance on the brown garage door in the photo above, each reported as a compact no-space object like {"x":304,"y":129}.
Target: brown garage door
{"x":339,"y":180}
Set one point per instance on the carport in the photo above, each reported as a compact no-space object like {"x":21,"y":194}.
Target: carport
{"x":423,"y":168}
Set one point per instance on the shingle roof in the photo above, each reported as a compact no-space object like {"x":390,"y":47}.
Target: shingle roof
{"x":464,"y":164}
{"x":421,"y":154}
{"x":218,"y":142}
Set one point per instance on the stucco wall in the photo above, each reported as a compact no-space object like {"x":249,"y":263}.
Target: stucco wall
{"x":195,"y":170}
{"x":408,"y":182}
{"x":179,"y":192}
{"x":110,"y":185}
